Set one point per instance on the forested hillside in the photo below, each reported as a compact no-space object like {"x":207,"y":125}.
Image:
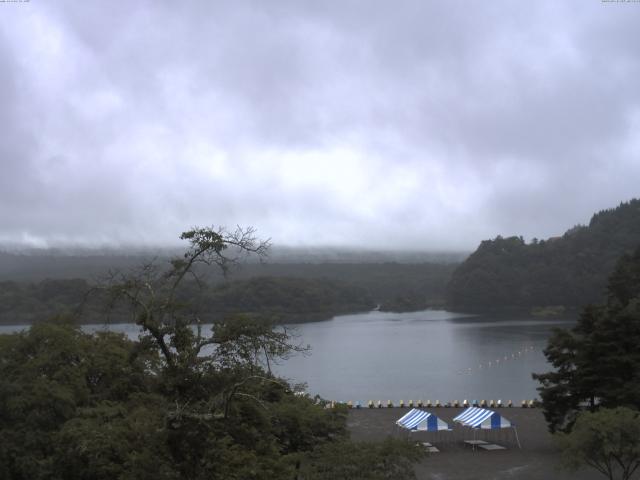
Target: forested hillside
{"x":571,"y":270}
{"x":396,"y":286}
{"x":285,"y":299}
{"x":282,"y":299}
{"x":289,"y":292}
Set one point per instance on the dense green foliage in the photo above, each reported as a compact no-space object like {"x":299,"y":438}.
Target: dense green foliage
{"x":179,"y":403}
{"x":286,"y":298}
{"x":393,"y":285}
{"x":607,"y":440}
{"x":286,"y":292}
{"x":597,"y":363}
{"x":24,"y":302}
{"x":283,"y":299}
{"x":79,"y":406}
{"x":570,"y":270}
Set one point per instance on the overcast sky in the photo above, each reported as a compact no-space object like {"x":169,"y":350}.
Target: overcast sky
{"x":406,"y":124}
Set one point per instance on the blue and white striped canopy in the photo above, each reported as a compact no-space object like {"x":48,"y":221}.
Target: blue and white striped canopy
{"x":421,"y":420}
{"x":476,"y":417}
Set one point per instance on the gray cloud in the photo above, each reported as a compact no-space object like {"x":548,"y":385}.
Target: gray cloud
{"x":408,"y":124}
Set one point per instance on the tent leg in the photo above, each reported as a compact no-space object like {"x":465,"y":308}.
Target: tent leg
{"x":515,"y":430}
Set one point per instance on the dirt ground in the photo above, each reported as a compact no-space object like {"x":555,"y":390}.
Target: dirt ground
{"x":538,"y":459}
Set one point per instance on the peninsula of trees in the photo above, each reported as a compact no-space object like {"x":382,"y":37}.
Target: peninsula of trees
{"x":568,"y":271}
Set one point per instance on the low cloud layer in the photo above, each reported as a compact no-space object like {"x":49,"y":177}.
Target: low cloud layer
{"x":423,"y":125}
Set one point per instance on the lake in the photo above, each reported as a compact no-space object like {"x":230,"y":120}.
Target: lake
{"x":429,"y":355}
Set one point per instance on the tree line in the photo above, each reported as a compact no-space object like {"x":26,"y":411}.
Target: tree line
{"x":289,"y":293}
{"x":180,"y":402}
{"x":592,"y":396}
{"x":284,"y":299}
{"x":570,"y":270}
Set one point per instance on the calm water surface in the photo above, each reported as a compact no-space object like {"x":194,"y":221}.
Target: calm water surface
{"x":435,"y":355}
{"x":428,"y":355}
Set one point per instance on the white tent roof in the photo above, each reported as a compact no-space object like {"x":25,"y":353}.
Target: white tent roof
{"x":476,"y":417}
{"x":421,"y":420}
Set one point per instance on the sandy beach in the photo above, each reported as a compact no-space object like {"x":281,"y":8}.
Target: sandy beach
{"x":538,"y":459}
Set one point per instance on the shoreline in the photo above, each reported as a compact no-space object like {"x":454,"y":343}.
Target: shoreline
{"x":523,"y":314}
{"x":292,"y":318}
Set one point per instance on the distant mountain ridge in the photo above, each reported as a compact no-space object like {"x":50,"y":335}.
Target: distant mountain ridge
{"x":38,"y":264}
{"x":570,"y":270}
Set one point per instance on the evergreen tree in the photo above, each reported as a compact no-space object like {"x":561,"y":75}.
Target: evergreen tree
{"x":597,"y":363}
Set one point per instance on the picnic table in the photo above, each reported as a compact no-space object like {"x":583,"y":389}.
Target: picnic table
{"x":475,"y":443}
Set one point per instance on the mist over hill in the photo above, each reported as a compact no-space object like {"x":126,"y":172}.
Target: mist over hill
{"x":292,"y":285}
{"x":22,"y":263}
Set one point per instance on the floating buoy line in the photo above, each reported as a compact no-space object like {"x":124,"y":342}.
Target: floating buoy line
{"x":497,"y":362}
